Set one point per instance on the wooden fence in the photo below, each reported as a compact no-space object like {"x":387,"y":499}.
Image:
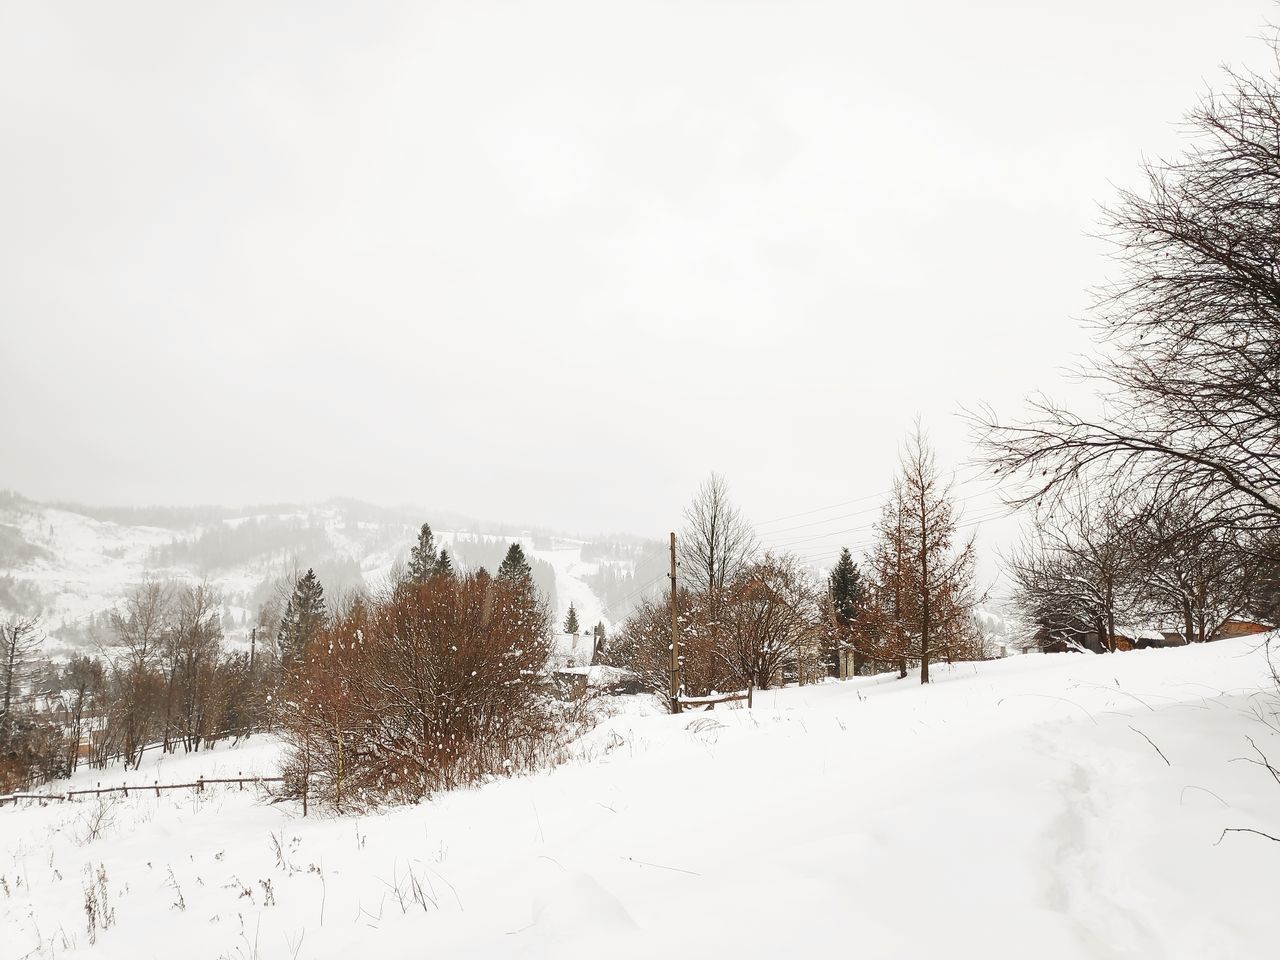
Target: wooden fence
{"x":709,"y":703}
{"x":198,"y":785}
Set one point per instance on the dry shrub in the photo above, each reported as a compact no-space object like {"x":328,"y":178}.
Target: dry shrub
{"x":438,"y":685}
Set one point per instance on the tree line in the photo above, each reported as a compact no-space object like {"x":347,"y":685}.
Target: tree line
{"x":756,"y":619}
{"x":430,"y":669}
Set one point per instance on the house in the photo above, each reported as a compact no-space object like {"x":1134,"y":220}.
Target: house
{"x":1240,"y":628}
{"x":1229,"y":628}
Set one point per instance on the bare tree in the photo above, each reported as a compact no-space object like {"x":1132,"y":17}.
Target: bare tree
{"x":83,"y":688}
{"x":140,"y":628}
{"x":717,"y":541}
{"x":1197,"y":576}
{"x":772,"y":618}
{"x":1192,"y":327}
{"x":196,"y":639}
{"x":1077,"y":571}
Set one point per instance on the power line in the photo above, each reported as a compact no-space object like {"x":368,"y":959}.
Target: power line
{"x":985,"y":517}
{"x":870,"y":496}
{"x":796,"y":541}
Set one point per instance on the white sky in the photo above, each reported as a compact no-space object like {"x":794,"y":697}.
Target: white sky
{"x":552,"y":262}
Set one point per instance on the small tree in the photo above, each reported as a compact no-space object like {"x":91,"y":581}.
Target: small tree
{"x":83,"y":680}
{"x":1077,"y":573}
{"x":571,"y":621}
{"x":1195,"y":576}
{"x":304,"y":616}
{"x":514,"y":568}
{"x":423,"y":559}
{"x":771,"y":623}
{"x":845,"y":592}
{"x":19,"y":647}
{"x":717,"y":541}
{"x":444,"y":566}
{"x":924,"y":578}
{"x":941,"y":569}
{"x":597,"y":642}
{"x":137,"y":689}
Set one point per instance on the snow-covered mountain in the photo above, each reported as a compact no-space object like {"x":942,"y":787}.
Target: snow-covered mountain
{"x":71,"y":565}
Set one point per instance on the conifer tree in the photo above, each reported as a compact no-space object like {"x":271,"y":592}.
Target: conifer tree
{"x":514,"y":567}
{"x":571,"y":621}
{"x":444,"y":566}
{"x":923,"y":575}
{"x":845,"y":588}
{"x":423,"y":561}
{"x":304,"y":616}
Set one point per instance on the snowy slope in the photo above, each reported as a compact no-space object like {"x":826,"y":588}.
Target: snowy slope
{"x":1010,"y":809}
{"x":70,"y":568}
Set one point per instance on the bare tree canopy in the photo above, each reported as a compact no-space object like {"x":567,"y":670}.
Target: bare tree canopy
{"x":1191,"y":326}
{"x":717,"y":541}
{"x":1076,"y":573}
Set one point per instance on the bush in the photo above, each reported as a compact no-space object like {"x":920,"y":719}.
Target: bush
{"x":439,"y":685}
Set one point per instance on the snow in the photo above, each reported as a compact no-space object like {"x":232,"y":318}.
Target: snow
{"x":89,"y":565}
{"x":566,"y":559}
{"x":1008,"y":809}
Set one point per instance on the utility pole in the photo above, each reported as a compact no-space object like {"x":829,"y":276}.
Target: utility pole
{"x":675,"y":635}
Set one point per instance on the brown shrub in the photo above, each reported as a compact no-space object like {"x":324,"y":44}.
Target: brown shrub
{"x":438,"y":685}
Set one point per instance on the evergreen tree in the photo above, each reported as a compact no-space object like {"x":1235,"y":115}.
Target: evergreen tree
{"x":845,"y":585}
{"x":845,"y":588}
{"x":423,"y":561}
{"x":444,"y":566}
{"x":571,"y":621}
{"x":303,"y":618}
{"x":514,"y":567}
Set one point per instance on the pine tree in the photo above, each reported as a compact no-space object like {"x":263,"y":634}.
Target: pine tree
{"x":514,"y":567}
{"x":845,"y":588}
{"x":423,"y":561}
{"x":444,"y":566}
{"x":571,"y":621}
{"x":19,"y":647}
{"x":597,"y":644}
{"x":303,"y":618}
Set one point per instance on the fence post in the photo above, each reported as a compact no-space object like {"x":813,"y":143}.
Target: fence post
{"x":157,"y":788}
{"x":240,"y":774}
{"x":200,"y":785}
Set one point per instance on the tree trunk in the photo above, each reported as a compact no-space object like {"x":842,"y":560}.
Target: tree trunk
{"x":924,"y":588}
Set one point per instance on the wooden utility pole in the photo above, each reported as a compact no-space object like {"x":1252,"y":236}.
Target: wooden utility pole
{"x":675,"y":635}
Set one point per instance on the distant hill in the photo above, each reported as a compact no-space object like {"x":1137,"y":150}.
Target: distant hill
{"x":71,"y":564}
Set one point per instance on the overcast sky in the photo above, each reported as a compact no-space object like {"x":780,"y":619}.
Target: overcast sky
{"x":552,"y":262}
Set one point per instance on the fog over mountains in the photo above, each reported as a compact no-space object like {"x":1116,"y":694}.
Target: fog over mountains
{"x":70,"y":564}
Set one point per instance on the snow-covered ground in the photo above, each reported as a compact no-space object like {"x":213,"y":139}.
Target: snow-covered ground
{"x":1010,"y":809}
